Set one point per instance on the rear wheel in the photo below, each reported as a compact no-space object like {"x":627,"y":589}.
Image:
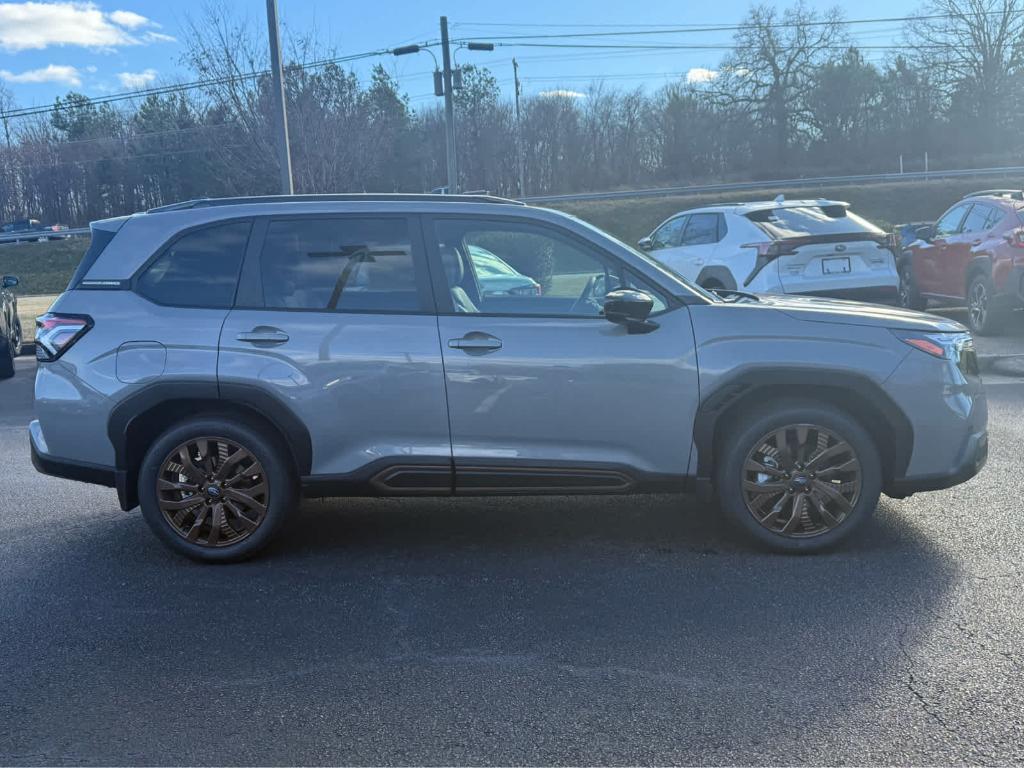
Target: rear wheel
{"x":215,"y":490}
{"x":909,"y":296}
{"x":798,"y":477}
{"x":17,"y":339}
{"x":983,"y":318}
{"x":6,"y":358}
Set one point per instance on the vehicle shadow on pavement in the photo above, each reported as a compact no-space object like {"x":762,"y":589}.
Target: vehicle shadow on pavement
{"x":514,"y":630}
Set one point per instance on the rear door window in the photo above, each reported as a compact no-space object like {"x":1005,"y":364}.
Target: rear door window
{"x":342,"y":264}
{"x":977,"y":219}
{"x":199,"y":269}
{"x":701,"y":229}
{"x":802,"y":221}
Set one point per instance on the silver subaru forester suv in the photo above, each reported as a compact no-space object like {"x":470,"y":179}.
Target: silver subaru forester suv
{"x":215,"y":360}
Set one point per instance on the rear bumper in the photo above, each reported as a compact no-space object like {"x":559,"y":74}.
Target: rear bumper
{"x":973,"y":458}
{"x":880,"y":294}
{"x":71,"y":470}
{"x":83,"y":472}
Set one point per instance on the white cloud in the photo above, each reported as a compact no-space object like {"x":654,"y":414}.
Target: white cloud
{"x":561,"y":93}
{"x":129,"y":19}
{"x":51,"y":73}
{"x":701,"y":75}
{"x":37,"y":25}
{"x":137,"y":79}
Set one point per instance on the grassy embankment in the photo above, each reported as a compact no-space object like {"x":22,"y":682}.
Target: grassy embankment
{"x":44,"y":268}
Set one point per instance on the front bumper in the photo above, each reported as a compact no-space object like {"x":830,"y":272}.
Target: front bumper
{"x":973,"y":458}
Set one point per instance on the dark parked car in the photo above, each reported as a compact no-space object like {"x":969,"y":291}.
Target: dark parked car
{"x":33,"y":229}
{"x":973,"y":254}
{"x":10,"y":326}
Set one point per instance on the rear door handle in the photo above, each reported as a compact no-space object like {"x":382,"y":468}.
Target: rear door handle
{"x":263,"y":336}
{"x":476,"y":341}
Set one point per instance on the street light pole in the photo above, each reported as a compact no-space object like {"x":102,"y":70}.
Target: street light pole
{"x":519,"y":133}
{"x":284,"y":155}
{"x":449,"y":108}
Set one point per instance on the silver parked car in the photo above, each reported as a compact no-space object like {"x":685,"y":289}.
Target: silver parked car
{"x":214,"y":360}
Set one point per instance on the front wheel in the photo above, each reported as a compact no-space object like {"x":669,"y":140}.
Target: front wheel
{"x":797,"y":477}
{"x":216,"y":490}
{"x":910,"y":298}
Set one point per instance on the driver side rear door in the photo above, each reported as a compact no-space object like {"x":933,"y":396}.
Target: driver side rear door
{"x":544,"y":394}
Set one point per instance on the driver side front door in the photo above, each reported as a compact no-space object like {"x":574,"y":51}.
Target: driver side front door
{"x":544,"y":394}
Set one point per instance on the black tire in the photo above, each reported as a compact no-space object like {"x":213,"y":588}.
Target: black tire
{"x":18,"y":339}
{"x":909,"y":296}
{"x":982,"y":317}
{"x":278,"y":475}
{"x":6,"y":359}
{"x":749,"y":430}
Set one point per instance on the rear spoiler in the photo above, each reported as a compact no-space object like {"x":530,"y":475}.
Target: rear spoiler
{"x":768,"y":252}
{"x":1012,"y":194}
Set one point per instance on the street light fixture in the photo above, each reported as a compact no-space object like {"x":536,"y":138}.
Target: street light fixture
{"x":445,"y":80}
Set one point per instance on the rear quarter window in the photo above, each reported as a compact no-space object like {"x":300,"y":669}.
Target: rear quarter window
{"x":100,"y":240}
{"x":802,"y":221}
{"x":199,"y":269}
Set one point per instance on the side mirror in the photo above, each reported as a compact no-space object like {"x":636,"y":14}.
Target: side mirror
{"x":10,"y":281}
{"x":630,"y":308}
{"x":645,"y":244}
{"x":925,"y":233}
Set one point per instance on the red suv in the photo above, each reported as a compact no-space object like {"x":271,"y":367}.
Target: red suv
{"x":974,"y":252}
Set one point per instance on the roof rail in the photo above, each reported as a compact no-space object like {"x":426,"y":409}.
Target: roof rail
{"x":1012,"y":194}
{"x":354,"y":197}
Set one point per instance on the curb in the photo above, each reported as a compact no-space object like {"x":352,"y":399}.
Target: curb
{"x":1007,"y":365}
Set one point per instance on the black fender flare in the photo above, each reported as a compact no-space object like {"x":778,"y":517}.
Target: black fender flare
{"x":718,"y":273}
{"x":855,"y":392}
{"x":979,"y":264}
{"x":157,"y":400}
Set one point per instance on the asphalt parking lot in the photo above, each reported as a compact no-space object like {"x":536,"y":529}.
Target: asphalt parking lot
{"x":512,"y":631}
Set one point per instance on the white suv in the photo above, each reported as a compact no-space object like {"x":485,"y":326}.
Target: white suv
{"x":784,"y":246}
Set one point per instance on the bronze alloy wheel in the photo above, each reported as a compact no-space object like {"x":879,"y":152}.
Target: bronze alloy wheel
{"x":212,"y":491}
{"x":801,"y":480}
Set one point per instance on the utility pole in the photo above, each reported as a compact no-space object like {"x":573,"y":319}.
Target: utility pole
{"x":449,"y":108}
{"x":284,"y":153}
{"x":519,"y":133}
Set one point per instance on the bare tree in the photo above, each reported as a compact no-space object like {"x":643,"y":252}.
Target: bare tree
{"x":774,"y":59}
{"x":974,"y":50}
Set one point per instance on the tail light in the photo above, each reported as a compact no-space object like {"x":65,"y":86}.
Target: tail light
{"x":767,"y":252}
{"x":1015,"y":237}
{"x":526,"y":290}
{"x":55,"y":333}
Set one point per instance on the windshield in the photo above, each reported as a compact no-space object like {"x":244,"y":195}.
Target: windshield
{"x":785,"y":222}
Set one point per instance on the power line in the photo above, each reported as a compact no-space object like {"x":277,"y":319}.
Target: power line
{"x":692,"y":29}
{"x":195,"y":84}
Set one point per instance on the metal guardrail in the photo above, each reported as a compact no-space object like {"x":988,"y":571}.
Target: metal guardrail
{"x":776,"y":183}
{"x":31,"y":237}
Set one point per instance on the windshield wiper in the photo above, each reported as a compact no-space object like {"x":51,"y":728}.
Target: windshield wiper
{"x":736,"y":294}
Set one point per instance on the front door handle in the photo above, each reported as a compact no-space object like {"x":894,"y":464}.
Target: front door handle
{"x":263,"y":335}
{"x":475,"y":341}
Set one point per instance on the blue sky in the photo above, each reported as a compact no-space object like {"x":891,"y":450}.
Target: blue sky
{"x":106,"y":46}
